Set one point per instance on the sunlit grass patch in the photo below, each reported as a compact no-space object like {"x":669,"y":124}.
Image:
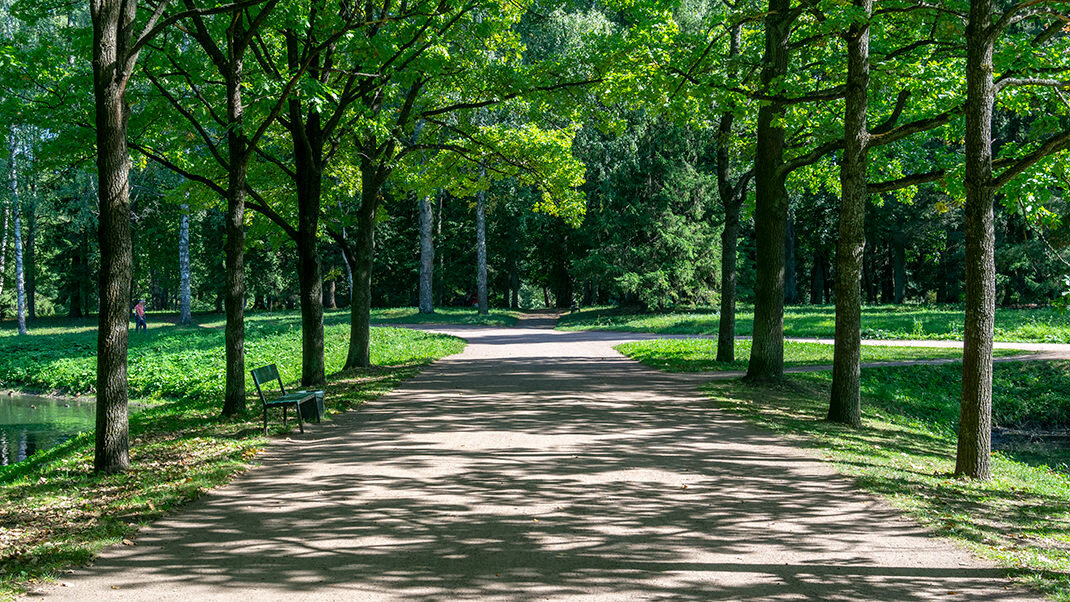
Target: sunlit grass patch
{"x":942,"y":322}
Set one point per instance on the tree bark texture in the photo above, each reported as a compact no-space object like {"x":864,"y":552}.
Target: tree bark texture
{"x":481,"y":252}
{"x":112,"y":22}
{"x":185,"y":315}
{"x":975,"y":423}
{"x":7,"y":218}
{"x":362,"y":255}
{"x":771,"y":206}
{"x":234,"y":297}
{"x":845,"y":405}
{"x":427,"y":257}
{"x":308,"y":145}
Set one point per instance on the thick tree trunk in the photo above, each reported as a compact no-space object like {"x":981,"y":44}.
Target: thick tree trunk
{"x":771,"y":206}
{"x":732,"y":200}
{"x":481,"y":252}
{"x":185,"y":315}
{"x":310,"y":277}
{"x":362,"y":255}
{"x":234,"y":296}
{"x":845,"y":406}
{"x":112,"y":20}
{"x":427,"y":257}
{"x":975,"y":424}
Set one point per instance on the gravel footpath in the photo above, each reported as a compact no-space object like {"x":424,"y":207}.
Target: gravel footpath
{"x":537,"y":465}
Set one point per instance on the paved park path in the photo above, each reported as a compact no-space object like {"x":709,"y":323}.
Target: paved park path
{"x":537,"y":465}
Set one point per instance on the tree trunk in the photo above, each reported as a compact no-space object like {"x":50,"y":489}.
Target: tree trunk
{"x":845,"y":406}
{"x":771,"y":206}
{"x":329,"y":295}
{"x":310,"y":278}
{"x":112,"y":22}
{"x":427,"y":257}
{"x":817,"y":279}
{"x":31,"y":252}
{"x":362,"y":255}
{"x":185,"y":316}
{"x":791,"y":281}
{"x":3,"y":238}
{"x":975,"y":424}
{"x":899,"y":258}
{"x":234,"y":296}
{"x":481,"y":252}
{"x":345,"y":258}
{"x":732,"y":199}
{"x":20,"y":277}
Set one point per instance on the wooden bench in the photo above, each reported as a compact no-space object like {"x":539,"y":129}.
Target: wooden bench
{"x":264,"y":375}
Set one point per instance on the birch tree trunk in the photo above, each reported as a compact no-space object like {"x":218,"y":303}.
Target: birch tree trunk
{"x":185,"y":316}
{"x":20,"y":283}
{"x":481,"y":252}
{"x":427,"y":257}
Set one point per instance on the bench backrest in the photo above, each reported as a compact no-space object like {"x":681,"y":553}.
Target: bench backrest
{"x":265,"y":374}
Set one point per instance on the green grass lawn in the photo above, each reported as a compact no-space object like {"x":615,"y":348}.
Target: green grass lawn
{"x":444,"y":315}
{"x":55,"y":513}
{"x":878,"y":322}
{"x":906,"y":450}
{"x":699,"y":355}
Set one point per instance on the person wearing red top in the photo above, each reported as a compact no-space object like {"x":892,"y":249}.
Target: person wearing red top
{"x":139,"y":316}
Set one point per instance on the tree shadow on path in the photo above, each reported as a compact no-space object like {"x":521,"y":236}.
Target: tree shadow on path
{"x":533,"y":478}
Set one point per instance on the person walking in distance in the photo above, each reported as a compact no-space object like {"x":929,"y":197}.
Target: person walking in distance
{"x":139,"y":316}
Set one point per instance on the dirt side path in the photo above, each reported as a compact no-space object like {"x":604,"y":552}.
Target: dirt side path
{"x":538,"y":465}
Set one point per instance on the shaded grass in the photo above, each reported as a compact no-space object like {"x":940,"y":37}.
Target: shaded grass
{"x":699,"y":355}
{"x":878,"y":322}
{"x":55,"y":513}
{"x":444,"y":315}
{"x":906,"y":450}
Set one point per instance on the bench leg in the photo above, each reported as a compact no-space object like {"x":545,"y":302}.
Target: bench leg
{"x":300,"y":420}
{"x":265,"y":421}
{"x":285,"y":423}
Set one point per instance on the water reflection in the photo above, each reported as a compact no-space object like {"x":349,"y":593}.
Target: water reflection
{"x":29,"y":424}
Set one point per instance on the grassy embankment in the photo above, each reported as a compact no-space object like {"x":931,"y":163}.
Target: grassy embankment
{"x":55,"y":513}
{"x":878,"y":322}
{"x":906,"y":450}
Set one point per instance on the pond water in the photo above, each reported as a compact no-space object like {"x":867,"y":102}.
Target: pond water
{"x":29,"y":424}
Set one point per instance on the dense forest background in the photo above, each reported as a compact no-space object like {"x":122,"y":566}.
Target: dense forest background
{"x":651,"y":236}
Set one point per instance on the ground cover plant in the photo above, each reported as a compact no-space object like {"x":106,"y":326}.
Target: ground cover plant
{"x":906,"y":451}
{"x":55,"y":513}
{"x":943,"y":322}
{"x":698,"y":355}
